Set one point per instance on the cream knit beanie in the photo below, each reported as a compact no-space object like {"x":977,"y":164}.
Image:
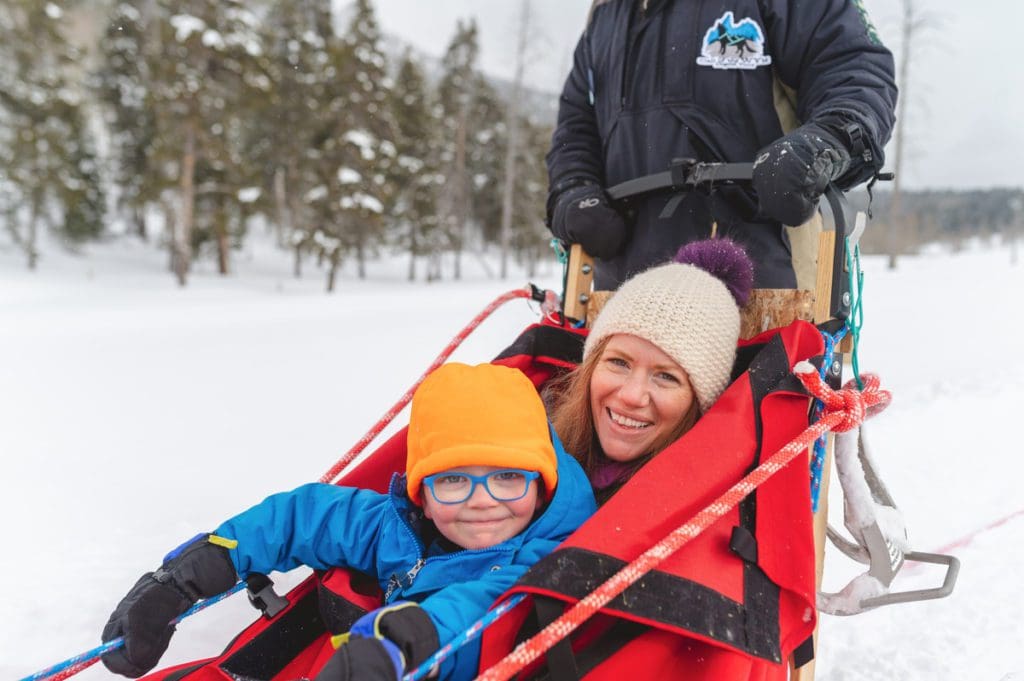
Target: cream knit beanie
{"x":689,"y":309}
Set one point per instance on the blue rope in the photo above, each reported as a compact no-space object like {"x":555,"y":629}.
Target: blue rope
{"x":116,"y":643}
{"x":462,"y":639}
{"x":416,"y":674}
{"x":818,"y":456}
{"x":856,"y":319}
{"x":558,"y":246}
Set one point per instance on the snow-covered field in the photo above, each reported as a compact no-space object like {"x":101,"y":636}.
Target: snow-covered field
{"x":134,"y":414}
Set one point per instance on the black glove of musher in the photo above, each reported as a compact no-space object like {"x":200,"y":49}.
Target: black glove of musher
{"x":582,"y":215}
{"x":383,"y":645}
{"x":196,"y":569}
{"x":791,"y":173}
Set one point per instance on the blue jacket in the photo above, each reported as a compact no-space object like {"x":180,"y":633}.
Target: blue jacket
{"x":323,"y":526}
{"x":687,"y":79}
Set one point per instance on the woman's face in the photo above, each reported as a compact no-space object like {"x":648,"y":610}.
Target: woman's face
{"x":638,"y":395}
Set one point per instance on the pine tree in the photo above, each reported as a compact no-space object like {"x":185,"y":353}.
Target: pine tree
{"x":296,"y":35}
{"x":487,"y":150}
{"x":123,"y":87}
{"x":200,"y":71}
{"x":414,"y":175}
{"x":354,"y":149}
{"x":456,"y":94}
{"x":48,"y":166}
{"x":529,"y":237}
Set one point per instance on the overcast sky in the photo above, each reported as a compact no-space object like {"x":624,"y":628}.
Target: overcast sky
{"x":966,"y":94}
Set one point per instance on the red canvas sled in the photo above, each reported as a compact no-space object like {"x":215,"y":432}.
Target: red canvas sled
{"x":733,"y":604}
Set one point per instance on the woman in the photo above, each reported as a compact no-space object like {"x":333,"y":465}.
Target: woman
{"x":658,"y":356}
{"x":738,"y":600}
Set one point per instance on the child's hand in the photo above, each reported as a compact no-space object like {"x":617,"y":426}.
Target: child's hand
{"x":372,"y":659}
{"x":196,"y":569}
{"x":400,"y":634}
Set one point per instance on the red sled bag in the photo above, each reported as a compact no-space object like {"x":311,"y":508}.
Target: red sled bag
{"x":735,"y":601}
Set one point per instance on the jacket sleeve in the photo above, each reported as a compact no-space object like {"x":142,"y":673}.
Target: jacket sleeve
{"x":575,"y":155}
{"x":830,"y":54}
{"x":318,"y":525}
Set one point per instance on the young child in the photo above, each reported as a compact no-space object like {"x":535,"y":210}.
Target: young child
{"x":488,"y":491}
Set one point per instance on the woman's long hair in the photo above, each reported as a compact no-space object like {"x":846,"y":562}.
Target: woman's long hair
{"x":574,"y":422}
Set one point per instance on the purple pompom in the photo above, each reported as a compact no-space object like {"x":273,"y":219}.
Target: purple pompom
{"x":725,"y":260}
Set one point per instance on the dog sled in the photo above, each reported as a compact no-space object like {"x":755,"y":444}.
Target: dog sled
{"x":737,"y":597}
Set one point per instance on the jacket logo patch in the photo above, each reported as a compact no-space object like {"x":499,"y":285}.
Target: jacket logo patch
{"x":729,"y":44}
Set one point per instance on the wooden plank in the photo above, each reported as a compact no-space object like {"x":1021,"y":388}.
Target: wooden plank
{"x":822,"y":298}
{"x":578,"y":283}
{"x":772,"y":308}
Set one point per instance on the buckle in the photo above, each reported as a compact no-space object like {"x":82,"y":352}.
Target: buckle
{"x":260,"y":590}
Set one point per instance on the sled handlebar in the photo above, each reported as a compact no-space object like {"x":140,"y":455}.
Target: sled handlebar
{"x":687,"y":174}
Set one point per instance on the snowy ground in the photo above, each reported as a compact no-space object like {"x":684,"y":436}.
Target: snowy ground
{"x":134,"y":414}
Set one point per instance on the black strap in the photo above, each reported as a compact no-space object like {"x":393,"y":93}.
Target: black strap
{"x":743,"y":544}
{"x":804,"y":653}
{"x":683,"y":174}
{"x":560,"y":658}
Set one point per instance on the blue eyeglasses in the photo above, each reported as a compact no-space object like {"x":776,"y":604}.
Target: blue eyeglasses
{"x":508,"y":484}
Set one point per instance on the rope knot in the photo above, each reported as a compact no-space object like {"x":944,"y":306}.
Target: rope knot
{"x":847,"y":407}
{"x":852,"y":410}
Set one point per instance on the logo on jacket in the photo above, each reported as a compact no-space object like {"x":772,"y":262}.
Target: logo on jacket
{"x":729,"y":44}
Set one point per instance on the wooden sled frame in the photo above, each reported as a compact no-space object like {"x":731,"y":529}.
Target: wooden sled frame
{"x":766,"y":309}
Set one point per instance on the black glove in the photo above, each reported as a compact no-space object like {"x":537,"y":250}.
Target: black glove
{"x":582,"y":215}
{"x":364,"y":659}
{"x":383,"y":644}
{"x":196,"y":569}
{"x":791,"y":173}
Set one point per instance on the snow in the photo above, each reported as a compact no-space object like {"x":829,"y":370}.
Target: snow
{"x":185,"y":25}
{"x":348,"y":176}
{"x":136,"y":413}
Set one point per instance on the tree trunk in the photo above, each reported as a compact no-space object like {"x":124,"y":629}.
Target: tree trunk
{"x":461,"y":187}
{"x":284,"y":221}
{"x":223,"y":247}
{"x":169,"y":231}
{"x":898,"y":222}
{"x":413,"y":249}
{"x":33,"y":229}
{"x":183,"y":238}
{"x":333,"y":271}
{"x":297,"y":263}
{"x":139,"y":218}
{"x":361,"y":255}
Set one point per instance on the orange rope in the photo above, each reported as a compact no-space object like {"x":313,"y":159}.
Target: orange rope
{"x":381,"y":424}
{"x":844,"y":410}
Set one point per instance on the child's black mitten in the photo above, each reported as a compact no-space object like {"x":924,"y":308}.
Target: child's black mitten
{"x":196,"y":569}
{"x":383,"y":645}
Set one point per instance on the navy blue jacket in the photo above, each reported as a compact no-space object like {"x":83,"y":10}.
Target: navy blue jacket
{"x":323,"y":526}
{"x":695,"y":78}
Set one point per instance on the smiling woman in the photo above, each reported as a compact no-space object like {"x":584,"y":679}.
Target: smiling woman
{"x":640,"y":397}
{"x":658,"y":357}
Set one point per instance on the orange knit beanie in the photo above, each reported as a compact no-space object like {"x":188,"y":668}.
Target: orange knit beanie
{"x":484,"y":415}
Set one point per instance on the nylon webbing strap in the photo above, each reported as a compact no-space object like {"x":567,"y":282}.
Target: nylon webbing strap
{"x":683,"y":175}
{"x":560,"y":658}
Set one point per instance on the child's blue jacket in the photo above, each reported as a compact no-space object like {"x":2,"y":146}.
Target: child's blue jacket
{"x":324,"y":526}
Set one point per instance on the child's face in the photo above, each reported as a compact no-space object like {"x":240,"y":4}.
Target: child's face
{"x":481,"y":520}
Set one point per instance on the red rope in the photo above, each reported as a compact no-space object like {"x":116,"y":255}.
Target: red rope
{"x":344,"y":461}
{"x":844,"y":410}
{"x":967,"y":539}
{"x":71,"y":671}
